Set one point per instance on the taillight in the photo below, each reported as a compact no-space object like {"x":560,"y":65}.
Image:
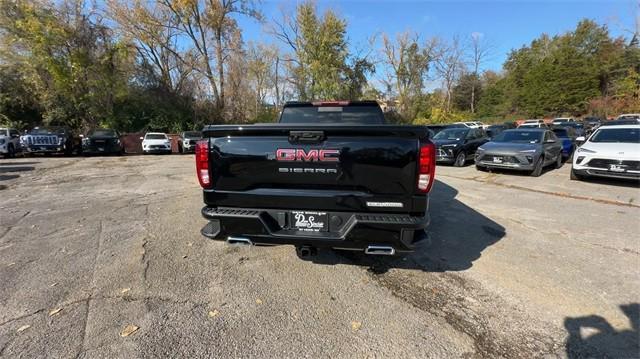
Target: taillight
{"x":426,"y":167}
{"x":202,"y":163}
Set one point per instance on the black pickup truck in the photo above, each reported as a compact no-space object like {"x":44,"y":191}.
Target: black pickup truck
{"x":328,"y":175}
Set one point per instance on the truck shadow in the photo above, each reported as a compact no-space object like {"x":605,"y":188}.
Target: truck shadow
{"x":594,"y":337}
{"x":458,"y":235}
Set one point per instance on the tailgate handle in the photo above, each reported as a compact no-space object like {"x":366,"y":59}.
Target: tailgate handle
{"x":306,"y":136}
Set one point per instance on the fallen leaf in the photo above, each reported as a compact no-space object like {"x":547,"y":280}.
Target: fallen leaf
{"x":128,"y":330}
{"x":184,"y":256}
{"x":124,"y":290}
{"x":189,"y":244}
{"x":54,"y":311}
{"x":53,"y":284}
{"x":23,"y":328}
{"x":258,"y":301}
{"x":11,"y":264}
{"x":355,"y":326}
{"x":213,"y":313}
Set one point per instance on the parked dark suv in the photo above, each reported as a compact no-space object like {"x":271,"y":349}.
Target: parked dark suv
{"x":458,"y":145}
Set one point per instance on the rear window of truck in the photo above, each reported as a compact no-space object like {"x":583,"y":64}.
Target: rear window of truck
{"x":359,"y":115}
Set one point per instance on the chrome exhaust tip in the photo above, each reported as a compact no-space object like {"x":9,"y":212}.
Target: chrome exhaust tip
{"x":380,"y":250}
{"x":239,"y":241}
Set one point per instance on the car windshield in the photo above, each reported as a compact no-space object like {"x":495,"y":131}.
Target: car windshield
{"x":451,"y":134}
{"x":155,"y":136}
{"x":621,"y":135}
{"x":519,"y":136}
{"x":192,"y":134}
{"x":103,"y":133}
{"x":4,"y":132}
{"x":560,"y":132}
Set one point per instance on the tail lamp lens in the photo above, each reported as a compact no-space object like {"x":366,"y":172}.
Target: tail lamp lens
{"x":202,"y":163}
{"x":426,"y":167}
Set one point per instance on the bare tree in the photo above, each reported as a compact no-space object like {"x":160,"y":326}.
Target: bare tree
{"x":408,"y":62}
{"x":211,"y":29}
{"x":153,"y":32}
{"x":480,"y":50}
{"x":449,"y":65}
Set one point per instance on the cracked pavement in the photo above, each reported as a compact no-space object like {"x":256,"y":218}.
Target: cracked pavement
{"x":518,"y":267}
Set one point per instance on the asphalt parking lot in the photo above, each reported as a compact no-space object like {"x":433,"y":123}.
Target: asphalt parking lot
{"x":102,"y":257}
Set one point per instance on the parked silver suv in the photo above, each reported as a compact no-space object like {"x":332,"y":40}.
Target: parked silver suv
{"x":9,"y":142}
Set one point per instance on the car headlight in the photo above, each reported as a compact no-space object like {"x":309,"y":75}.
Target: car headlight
{"x":527,"y":151}
{"x":584,"y":150}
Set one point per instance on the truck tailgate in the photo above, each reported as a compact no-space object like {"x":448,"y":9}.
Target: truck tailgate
{"x":328,"y":167}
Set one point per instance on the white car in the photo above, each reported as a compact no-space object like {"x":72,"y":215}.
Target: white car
{"x":611,"y":151}
{"x":629,"y":116}
{"x":533,"y":124}
{"x":469,"y":124}
{"x":562,"y":120}
{"x":156,"y":142}
{"x":9,"y":142}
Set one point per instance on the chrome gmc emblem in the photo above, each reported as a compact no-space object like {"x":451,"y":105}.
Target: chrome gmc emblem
{"x":300,"y":155}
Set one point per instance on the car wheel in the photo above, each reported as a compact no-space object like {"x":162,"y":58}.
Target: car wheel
{"x":559,"y":161}
{"x":10,"y":151}
{"x":537,"y":169}
{"x":574,"y":176}
{"x":461,"y":159}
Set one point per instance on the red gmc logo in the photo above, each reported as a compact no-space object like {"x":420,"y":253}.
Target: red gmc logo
{"x":298,"y":154}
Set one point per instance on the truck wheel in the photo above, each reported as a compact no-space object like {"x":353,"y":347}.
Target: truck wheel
{"x":461,"y":159}
{"x":537,"y":170}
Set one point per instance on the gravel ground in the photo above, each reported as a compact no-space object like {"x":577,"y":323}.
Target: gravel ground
{"x":102,"y":258}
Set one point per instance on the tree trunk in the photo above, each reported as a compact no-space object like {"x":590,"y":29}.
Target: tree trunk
{"x":276,"y":83}
{"x":473,"y":98}
{"x":220,"y":65}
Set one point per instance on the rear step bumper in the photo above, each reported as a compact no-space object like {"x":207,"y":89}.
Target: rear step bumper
{"x":347,"y":230}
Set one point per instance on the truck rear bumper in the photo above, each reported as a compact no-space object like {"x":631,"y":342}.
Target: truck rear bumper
{"x":347,"y":230}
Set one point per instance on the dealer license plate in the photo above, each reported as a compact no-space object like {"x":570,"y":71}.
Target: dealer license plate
{"x":309,"y":221}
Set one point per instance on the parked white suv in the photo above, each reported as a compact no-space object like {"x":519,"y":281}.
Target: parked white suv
{"x":9,"y":142}
{"x":611,"y":151}
{"x":562,"y":120}
{"x":156,"y":142}
{"x":533,"y":124}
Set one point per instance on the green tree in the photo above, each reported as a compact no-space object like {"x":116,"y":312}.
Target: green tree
{"x":68,"y":58}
